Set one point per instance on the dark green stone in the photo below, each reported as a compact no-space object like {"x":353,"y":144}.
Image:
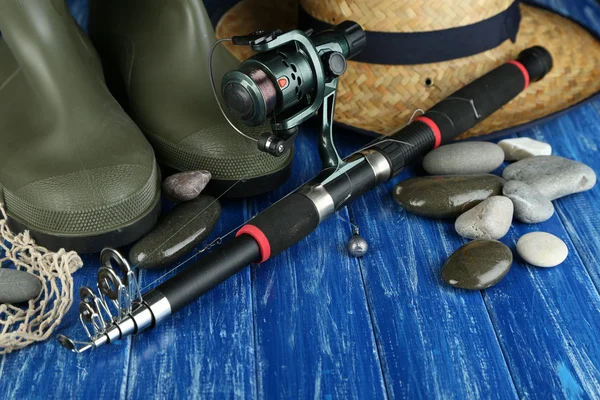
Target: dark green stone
{"x":477,"y":265}
{"x":177,"y":233}
{"x":446,"y":196}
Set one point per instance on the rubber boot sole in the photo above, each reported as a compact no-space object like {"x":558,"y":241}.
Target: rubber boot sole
{"x":94,"y":243}
{"x":249,"y":187}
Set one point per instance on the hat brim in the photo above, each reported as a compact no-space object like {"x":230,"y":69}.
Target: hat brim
{"x":380,"y":99}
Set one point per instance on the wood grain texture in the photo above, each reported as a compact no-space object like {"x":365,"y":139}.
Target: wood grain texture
{"x":46,"y":370}
{"x":313,"y":331}
{"x":547,"y":320}
{"x":434,"y":341}
{"x":315,"y":323}
{"x":207,"y":349}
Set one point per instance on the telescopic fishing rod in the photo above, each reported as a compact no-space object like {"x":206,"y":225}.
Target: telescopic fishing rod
{"x":293,"y":76}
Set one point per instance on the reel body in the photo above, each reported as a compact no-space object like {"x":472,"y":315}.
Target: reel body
{"x":293,"y":76}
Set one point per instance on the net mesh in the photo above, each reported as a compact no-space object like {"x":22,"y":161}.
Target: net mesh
{"x":23,"y":325}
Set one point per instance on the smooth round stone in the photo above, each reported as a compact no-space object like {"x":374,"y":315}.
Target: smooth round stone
{"x":542,"y":249}
{"x":464,"y":158}
{"x":185,"y":186}
{"x":18,"y":286}
{"x":177,"y":233}
{"x":520,"y":148}
{"x":446,"y":196}
{"x":530,"y":205}
{"x":490,"y":219}
{"x":552,"y":176}
{"x":477,"y":265}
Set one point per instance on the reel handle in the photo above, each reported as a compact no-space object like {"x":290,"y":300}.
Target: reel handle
{"x":465,"y":108}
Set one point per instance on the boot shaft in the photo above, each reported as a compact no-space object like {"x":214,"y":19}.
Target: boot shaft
{"x":160,"y":49}
{"x":53,"y":53}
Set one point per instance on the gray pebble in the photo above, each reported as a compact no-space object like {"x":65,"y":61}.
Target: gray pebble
{"x":186,"y":186}
{"x":464,"y":158}
{"x":18,"y":286}
{"x":552,"y":176}
{"x":176,"y":233}
{"x":520,"y":148}
{"x":490,"y":219}
{"x":542,"y":249}
{"x":530,"y":205}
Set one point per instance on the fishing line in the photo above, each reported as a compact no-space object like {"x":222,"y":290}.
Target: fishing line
{"x":214,"y":89}
{"x":189,"y":222}
{"x":388,"y":139}
{"x":219,"y":240}
{"x":355,"y":228}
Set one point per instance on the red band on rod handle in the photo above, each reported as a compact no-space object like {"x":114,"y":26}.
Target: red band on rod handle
{"x":523,"y":71}
{"x":261,"y":240}
{"x":436,"y":131}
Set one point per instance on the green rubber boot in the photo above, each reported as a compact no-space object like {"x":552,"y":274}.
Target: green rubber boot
{"x":155,"y":54}
{"x":74,"y":168}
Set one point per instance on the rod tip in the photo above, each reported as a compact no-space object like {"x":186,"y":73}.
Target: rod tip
{"x":70,"y":344}
{"x":66,"y":342}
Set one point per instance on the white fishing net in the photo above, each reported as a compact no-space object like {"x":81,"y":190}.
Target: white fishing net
{"x":22,"y":325}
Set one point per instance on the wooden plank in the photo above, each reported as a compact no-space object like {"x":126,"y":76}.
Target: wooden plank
{"x":547,"y":319}
{"x":80,"y":11}
{"x":434,"y":341}
{"x":577,"y":136}
{"x":586,"y":12}
{"x":205,"y":350}
{"x":313,"y":332}
{"x":46,"y":370}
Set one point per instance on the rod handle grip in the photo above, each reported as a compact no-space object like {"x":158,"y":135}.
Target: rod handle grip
{"x":465,"y":108}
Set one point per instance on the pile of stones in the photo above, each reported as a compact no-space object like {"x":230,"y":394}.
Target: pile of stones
{"x":484,"y":205}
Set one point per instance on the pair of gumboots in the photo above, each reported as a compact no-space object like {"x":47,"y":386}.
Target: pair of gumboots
{"x":86,"y":123}
{"x":90,"y":124}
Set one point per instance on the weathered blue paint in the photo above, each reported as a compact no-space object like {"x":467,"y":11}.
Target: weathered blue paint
{"x":547,"y":317}
{"x":430,"y":336}
{"x":210,"y":342}
{"x":313,"y":330}
{"x":316,"y":323}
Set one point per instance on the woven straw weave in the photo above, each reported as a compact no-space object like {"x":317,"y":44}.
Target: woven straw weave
{"x":405,"y":15}
{"x":381,"y":98}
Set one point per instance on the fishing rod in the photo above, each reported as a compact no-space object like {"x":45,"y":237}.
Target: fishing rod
{"x":293,"y":76}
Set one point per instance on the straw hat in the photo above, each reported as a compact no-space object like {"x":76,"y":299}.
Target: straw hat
{"x":420,"y":51}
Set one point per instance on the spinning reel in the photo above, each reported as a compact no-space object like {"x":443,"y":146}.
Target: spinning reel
{"x":294,"y":75}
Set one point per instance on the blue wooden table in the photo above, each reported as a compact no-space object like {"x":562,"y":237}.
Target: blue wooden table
{"x":315,"y":323}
